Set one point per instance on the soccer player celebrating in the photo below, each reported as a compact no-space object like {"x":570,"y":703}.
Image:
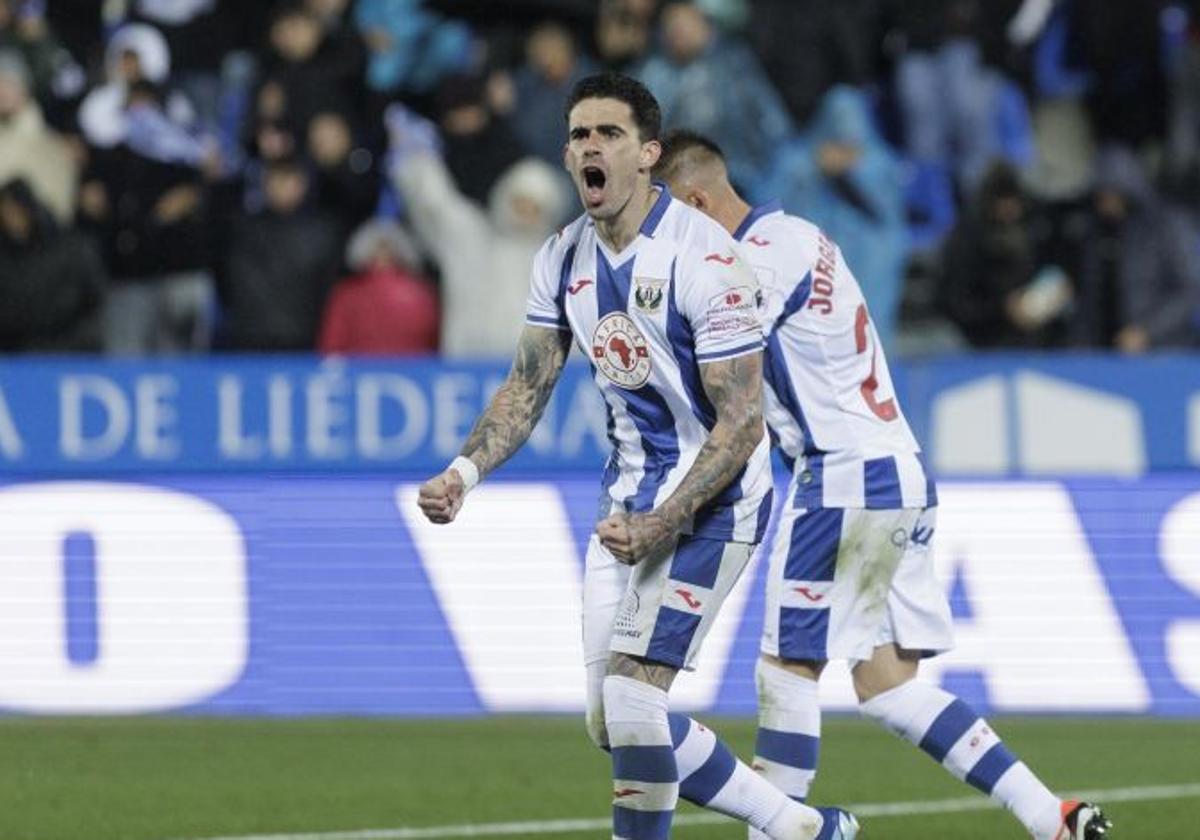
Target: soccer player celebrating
{"x":653,"y":294}
{"x":851,"y":572}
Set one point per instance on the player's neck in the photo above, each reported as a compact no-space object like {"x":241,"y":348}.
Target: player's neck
{"x":619,"y":230}
{"x":733,"y":212}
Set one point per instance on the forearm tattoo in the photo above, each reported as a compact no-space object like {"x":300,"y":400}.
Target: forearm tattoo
{"x":734,"y":388}
{"x":517,"y":406}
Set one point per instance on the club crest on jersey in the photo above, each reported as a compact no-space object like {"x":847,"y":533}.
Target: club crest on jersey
{"x":619,"y":350}
{"x":648,"y":293}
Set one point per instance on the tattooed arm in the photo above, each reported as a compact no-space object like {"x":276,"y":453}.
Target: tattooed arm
{"x":508,"y":420}
{"x":734,"y":387}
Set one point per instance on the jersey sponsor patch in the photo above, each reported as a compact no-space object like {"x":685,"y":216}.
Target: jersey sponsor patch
{"x":619,"y":351}
{"x":733,"y":311}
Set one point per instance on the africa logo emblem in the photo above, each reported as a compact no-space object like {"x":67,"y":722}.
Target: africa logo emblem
{"x":619,"y":351}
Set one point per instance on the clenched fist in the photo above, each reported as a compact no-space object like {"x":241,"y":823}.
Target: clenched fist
{"x":441,"y":497}
{"x":634,"y":537}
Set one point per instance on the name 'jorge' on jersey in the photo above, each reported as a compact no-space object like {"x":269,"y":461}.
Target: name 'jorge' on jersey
{"x":829,"y":399}
{"x":676,"y":297}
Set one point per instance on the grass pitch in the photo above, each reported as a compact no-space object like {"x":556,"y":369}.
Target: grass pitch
{"x":179,"y":779}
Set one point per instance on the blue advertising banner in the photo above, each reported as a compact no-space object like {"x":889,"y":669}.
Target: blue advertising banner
{"x":332,"y":595}
{"x":994,"y":415}
{"x":273,"y":413}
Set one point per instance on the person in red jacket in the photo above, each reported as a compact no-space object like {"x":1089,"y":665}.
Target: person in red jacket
{"x":387,"y":307}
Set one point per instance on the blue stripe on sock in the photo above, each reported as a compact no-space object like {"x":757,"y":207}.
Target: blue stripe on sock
{"x":645,"y":764}
{"x":988,"y":770}
{"x":641,"y":825}
{"x":793,"y":749}
{"x":705,"y":783}
{"x":950,"y":725}
{"x":680,"y":724}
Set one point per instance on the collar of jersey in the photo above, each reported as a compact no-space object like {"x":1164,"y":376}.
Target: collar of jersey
{"x":648,"y":228}
{"x":755,"y":214}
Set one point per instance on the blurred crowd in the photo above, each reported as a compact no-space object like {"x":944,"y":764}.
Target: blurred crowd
{"x":374,"y":176}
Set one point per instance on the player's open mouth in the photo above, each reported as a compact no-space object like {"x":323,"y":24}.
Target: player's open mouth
{"x":594,"y":180}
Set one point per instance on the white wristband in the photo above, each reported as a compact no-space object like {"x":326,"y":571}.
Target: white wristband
{"x":466,"y":468}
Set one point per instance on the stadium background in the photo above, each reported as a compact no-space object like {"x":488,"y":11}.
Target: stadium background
{"x":221,"y":616}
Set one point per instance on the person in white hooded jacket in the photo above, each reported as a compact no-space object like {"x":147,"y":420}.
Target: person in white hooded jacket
{"x":484,"y":254}
{"x":135,"y":52}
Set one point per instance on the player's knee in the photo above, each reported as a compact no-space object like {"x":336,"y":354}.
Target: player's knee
{"x":890,"y":668}
{"x":809,"y":669}
{"x":635,"y":712}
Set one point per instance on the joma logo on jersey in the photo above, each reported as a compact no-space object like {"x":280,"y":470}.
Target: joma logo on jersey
{"x":619,"y":351}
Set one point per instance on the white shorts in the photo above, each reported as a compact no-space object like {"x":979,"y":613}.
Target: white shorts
{"x":844,"y":581}
{"x":663,"y":610}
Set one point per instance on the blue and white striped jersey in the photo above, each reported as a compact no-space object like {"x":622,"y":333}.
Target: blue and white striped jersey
{"x":647,"y":318}
{"x":829,"y":400}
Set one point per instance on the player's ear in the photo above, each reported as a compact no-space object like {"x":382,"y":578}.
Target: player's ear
{"x":651,"y":152}
{"x":566,"y":160}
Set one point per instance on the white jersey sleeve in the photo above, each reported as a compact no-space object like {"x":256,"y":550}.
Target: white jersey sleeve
{"x":719,"y":297}
{"x":551,"y":267}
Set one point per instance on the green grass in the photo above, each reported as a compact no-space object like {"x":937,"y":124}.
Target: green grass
{"x":153,"y":779}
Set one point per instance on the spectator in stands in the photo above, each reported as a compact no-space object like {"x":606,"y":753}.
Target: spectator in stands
{"x":411,"y":48}
{"x":146,"y":200}
{"x":386,"y":307}
{"x":624,"y":30}
{"x":51,"y":280}
{"x":843,"y":177}
{"x":552,"y":66}
{"x":199,"y":34}
{"x":282,"y":262}
{"x":998,"y":287}
{"x":479,"y":145}
{"x":1138,"y":280}
{"x":718,"y":88}
{"x":28,"y":148}
{"x":346,"y":181}
{"x":54,"y":74}
{"x":948,"y":80}
{"x":135,"y":53}
{"x":484,"y":255}
{"x":305,"y":72}
{"x":808,"y":46}
{"x":1119,"y":42}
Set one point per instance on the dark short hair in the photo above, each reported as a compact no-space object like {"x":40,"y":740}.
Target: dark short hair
{"x":646,"y":113}
{"x":681,"y":146}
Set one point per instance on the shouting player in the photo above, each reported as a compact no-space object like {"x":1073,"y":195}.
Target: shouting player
{"x":652,"y":292}
{"x":851,"y":570}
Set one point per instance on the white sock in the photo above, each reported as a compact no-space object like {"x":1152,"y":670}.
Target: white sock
{"x":955,"y":736}
{"x":645,"y":779}
{"x":789,"y":731}
{"x":711,"y":775}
